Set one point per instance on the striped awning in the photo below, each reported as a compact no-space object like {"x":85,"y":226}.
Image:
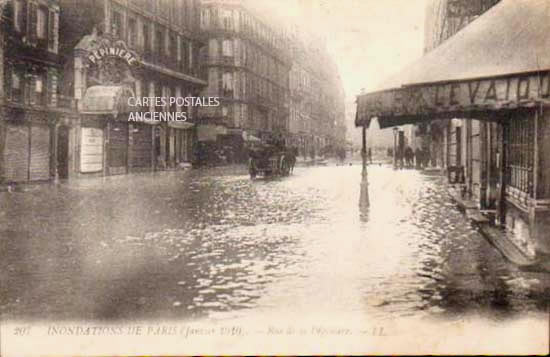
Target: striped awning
{"x":499,"y":61}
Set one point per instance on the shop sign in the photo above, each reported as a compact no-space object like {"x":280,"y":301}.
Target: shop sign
{"x":485,"y":94}
{"x":109,"y":60}
{"x":91,"y":150}
{"x":112,"y":51}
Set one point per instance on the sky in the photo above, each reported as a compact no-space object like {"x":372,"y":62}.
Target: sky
{"x":369,"y":39}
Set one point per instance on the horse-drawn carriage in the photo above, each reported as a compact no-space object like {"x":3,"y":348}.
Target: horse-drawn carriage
{"x":270,"y":160}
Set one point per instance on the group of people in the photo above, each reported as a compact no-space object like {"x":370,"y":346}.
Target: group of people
{"x":419,"y":158}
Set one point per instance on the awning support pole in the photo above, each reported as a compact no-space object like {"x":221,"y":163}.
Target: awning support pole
{"x":364,"y":200}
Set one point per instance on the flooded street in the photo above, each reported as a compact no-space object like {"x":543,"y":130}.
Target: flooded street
{"x":213,"y":244}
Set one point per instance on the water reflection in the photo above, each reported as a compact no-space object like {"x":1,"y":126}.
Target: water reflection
{"x":212,"y":243}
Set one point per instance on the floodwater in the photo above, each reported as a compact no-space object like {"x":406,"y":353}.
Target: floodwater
{"x":213,"y":244}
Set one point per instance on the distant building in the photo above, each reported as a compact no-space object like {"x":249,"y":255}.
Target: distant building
{"x":248,"y":63}
{"x":444,"y":18}
{"x":317,"y":98}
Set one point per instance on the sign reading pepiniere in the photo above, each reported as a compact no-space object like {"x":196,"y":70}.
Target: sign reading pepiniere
{"x":455,"y":97}
{"x":122,"y":53}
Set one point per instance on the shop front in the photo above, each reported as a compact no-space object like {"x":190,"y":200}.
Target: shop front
{"x":181,"y":142}
{"x":493,"y":93}
{"x":109,"y":143}
{"x":26,"y":139}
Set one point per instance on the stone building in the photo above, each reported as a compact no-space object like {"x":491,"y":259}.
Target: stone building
{"x":317,"y":98}
{"x":113,"y":50}
{"x":32,"y":108}
{"x":248,"y":63}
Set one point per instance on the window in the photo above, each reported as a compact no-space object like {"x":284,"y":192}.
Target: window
{"x":227,"y":48}
{"x":39,"y":85}
{"x":18,"y":15}
{"x":167,"y":49}
{"x":227,"y":19}
{"x":52,"y":43}
{"x":17,"y":91}
{"x":152,"y":93}
{"x":185,"y":55}
{"x":164,"y":7}
{"x":227,"y":84}
{"x":39,"y":94}
{"x":41,"y":22}
{"x":138,"y":88}
{"x":15,"y":81}
{"x":159,"y":40}
{"x":116,"y":25}
{"x":174,"y":45}
{"x":132,"y":32}
{"x":146,"y":37}
{"x":205,"y":18}
{"x":520,"y":134}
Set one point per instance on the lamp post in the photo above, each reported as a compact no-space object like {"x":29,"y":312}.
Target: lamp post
{"x":364,"y":199}
{"x":395,"y":131}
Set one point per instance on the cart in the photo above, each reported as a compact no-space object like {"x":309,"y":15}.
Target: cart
{"x":268,"y":160}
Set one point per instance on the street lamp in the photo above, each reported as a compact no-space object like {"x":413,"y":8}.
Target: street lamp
{"x":364,"y":199}
{"x":395,"y":131}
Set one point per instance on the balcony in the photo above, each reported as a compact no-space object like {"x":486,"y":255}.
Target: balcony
{"x":221,"y":61}
{"x":41,"y":102}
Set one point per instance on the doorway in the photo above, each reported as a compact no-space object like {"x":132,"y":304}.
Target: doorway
{"x":63,"y":152}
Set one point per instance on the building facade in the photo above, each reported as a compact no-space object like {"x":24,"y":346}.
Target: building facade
{"x":484,"y":100}
{"x":248,"y":63}
{"x":32,"y":107}
{"x":317,"y":99}
{"x":114,"y":50}
{"x":464,"y":144}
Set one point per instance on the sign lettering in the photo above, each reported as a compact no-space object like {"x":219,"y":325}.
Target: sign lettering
{"x":464,"y":96}
{"x":102,"y":52}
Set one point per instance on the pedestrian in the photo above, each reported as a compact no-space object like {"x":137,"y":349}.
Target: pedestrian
{"x":409,"y":155}
{"x":426,"y":156}
{"x":418,"y":157}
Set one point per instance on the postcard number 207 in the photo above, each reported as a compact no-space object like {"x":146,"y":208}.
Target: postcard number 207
{"x":22,"y":331}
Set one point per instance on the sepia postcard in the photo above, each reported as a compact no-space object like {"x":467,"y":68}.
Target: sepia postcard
{"x":274,"y":177}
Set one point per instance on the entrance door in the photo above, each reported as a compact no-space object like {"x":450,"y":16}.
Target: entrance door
{"x":63,"y":152}
{"x":118,"y":148}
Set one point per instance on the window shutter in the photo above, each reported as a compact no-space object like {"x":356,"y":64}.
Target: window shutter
{"x":51,"y":80}
{"x":51,"y":31}
{"x":23,"y":18}
{"x":32,"y":28}
{"x":7,"y":80}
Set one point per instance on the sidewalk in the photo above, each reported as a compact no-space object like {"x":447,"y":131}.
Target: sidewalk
{"x":231,"y":169}
{"x":497,"y":236}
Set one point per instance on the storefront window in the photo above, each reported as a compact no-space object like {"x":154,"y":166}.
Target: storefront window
{"x":520,"y":153}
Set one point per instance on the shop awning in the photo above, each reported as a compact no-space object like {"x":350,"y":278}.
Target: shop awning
{"x":249,"y":137}
{"x":499,"y":61}
{"x":107,"y":100}
{"x":210,"y":132}
{"x":180,"y":125}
